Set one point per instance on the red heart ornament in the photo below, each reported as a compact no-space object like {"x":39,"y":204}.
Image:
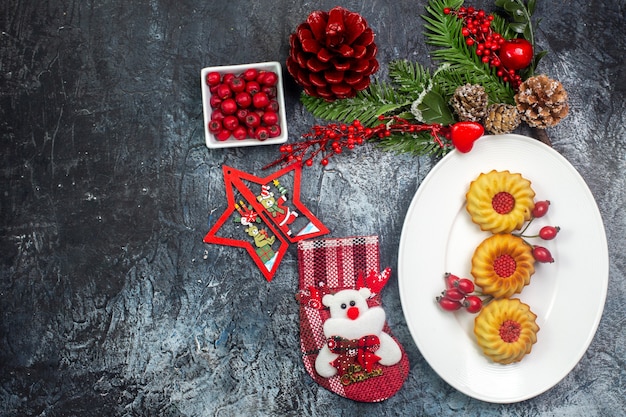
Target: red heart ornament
{"x":464,"y":134}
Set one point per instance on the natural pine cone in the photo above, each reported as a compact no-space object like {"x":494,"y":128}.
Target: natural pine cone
{"x":501,"y":118}
{"x":470,"y":102}
{"x":333,"y":54}
{"x":542,"y":102}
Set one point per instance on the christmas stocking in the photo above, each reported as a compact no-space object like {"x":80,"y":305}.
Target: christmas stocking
{"x":346,"y":344}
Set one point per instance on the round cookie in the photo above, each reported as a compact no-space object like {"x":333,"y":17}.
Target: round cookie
{"x":502,"y":265}
{"x":500,"y":201}
{"x":506,"y":329}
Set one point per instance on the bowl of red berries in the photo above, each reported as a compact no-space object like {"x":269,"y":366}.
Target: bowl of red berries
{"x":244,"y":105}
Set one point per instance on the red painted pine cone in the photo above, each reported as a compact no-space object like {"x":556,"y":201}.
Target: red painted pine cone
{"x":333,"y":54}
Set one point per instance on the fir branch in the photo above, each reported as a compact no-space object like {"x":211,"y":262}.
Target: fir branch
{"x":444,"y":31}
{"x":378,"y":99}
{"x":410,"y":77}
{"x":465,"y":66}
{"x":418,"y":144}
{"x":449,"y":80}
{"x":500,"y":25}
{"x":416,"y":82}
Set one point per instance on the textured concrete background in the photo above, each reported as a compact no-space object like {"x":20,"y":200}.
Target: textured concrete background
{"x":110,"y":302}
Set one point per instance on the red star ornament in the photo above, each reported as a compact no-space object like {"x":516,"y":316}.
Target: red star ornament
{"x":271,"y":217}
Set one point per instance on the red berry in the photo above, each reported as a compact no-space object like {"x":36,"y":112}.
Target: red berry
{"x":260,"y":78}
{"x":260,"y":100}
{"x":542,"y":254}
{"x":217,"y":114}
{"x":270,"y":91}
{"x":253,"y":119}
{"x":262,"y":133}
{"x":215,"y":101}
{"x":253,"y":87}
{"x":227,"y":77}
{"x":237,"y":84}
{"x":222,"y":135}
{"x":447,"y":304}
{"x":240,"y":133}
{"x":230,"y":122}
{"x":549,"y":232}
{"x":451,"y":280}
{"x":516,"y":54}
{"x":473,"y":304}
{"x":228,"y":106}
{"x":242,"y":114}
{"x":273,"y":106}
{"x":465,"y":286}
{"x":250,"y":74}
{"x":215,"y":126}
{"x":213,"y":78}
{"x":269,"y":78}
{"x":270,"y":118}
{"x":274,"y":131}
{"x":454,"y":294}
{"x":541,"y":208}
{"x":223,"y":91}
{"x":243,"y":99}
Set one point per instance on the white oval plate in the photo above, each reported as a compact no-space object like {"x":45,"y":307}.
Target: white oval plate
{"x":568,"y":295}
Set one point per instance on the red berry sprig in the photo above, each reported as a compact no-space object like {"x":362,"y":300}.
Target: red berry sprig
{"x":506,"y":56}
{"x":459,"y":293}
{"x":331,"y":139}
{"x":243,"y":105}
{"x":540,"y":253}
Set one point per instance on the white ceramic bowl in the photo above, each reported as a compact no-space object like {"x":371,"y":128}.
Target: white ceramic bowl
{"x":211,"y":141}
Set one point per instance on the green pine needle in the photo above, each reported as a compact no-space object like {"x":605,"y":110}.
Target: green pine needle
{"x":410,"y":77}
{"x":501,"y":26}
{"x":379,"y":98}
{"x":421,"y":143}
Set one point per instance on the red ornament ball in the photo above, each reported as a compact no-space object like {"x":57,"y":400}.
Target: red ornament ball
{"x":516,"y":54}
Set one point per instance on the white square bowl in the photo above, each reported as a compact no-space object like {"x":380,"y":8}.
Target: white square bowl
{"x":211,"y":141}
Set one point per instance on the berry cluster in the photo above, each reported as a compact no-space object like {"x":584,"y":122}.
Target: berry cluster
{"x":459,"y":293}
{"x":540,"y":253}
{"x":243,"y":105}
{"x":506,"y":56}
{"x":332,"y":139}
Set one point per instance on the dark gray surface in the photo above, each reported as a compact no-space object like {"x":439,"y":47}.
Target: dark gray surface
{"x":110,"y":302}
